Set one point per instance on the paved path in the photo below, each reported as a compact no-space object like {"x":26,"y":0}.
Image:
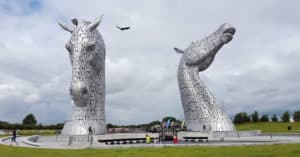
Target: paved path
{"x":228,"y":141}
{"x":7,"y":141}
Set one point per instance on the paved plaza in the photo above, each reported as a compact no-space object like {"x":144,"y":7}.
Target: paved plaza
{"x":227,"y":141}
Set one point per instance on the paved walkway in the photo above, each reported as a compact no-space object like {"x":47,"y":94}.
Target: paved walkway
{"x":7,"y":141}
{"x":228,"y":141}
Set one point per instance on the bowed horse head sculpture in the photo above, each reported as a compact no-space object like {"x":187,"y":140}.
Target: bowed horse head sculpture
{"x":200,"y":108}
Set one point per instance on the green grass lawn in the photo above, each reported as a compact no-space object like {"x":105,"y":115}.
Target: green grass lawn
{"x":3,"y":136}
{"x":32,"y":132}
{"x":289,"y":150}
{"x":277,"y":150}
{"x":267,"y":127}
{"x":36,"y":132}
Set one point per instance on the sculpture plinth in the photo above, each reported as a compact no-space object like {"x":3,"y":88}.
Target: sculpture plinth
{"x":87,"y":55}
{"x":200,"y":108}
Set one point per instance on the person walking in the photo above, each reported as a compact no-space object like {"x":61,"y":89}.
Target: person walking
{"x":14,"y":138}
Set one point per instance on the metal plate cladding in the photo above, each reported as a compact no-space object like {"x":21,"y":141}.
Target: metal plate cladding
{"x":200,"y":108}
{"x":87,"y":56}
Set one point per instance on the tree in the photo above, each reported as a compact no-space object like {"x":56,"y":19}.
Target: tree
{"x":264,"y":118}
{"x":29,"y":120}
{"x":274,"y":118}
{"x":173,"y":119}
{"x":285,"y":117}
{"x":4,"y":125}
{"x":296,"y":116}
{"x":154,"y":123}
{"x":255,"y":116}
{"x":241,"y":117}
{"x":109,"y":125}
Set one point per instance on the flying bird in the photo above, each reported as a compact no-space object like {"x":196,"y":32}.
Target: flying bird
{"x":122,"y":28}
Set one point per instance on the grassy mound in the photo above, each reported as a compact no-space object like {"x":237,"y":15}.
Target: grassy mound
{"x":267,"y":127}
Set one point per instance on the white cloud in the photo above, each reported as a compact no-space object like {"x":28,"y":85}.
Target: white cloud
{"x":7,"y":90}
{"x":32,"y":98}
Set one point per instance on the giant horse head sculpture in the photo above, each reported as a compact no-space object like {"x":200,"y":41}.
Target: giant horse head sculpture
{"x":201,"y":110}
{"x":87,"y":55}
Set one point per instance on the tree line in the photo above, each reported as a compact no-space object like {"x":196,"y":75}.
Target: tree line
{"x":29,"y":122}
{"x":243,"y":117}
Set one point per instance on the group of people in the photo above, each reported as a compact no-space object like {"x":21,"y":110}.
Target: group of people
{"x":148,"y":139}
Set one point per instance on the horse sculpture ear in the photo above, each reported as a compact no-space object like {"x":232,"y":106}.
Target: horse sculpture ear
{"x":95,"y":24}
{"x":66,"y":26}
{"x":75,"y":21}
{"x":178,"y":50}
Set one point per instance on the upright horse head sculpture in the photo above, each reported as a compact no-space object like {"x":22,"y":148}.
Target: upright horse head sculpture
{"x":87,"y":54}
{"x":200,"y":108}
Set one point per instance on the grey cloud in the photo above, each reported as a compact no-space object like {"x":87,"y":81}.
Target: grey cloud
{"x":258,"y":70}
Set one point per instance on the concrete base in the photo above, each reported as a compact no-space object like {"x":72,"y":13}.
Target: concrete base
{"x":81,"y":127}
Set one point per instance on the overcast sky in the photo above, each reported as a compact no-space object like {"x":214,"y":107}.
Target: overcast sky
{"x":258,"y":70}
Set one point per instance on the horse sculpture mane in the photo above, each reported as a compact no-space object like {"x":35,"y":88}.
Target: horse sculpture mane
{"x":87,"y":55}
{"x":200,"y":108}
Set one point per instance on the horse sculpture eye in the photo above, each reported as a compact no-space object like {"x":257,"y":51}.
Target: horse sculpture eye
{"x":91,"y":47}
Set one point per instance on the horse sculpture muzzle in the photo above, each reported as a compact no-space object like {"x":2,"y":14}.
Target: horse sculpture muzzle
{"x":79,"y":93}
